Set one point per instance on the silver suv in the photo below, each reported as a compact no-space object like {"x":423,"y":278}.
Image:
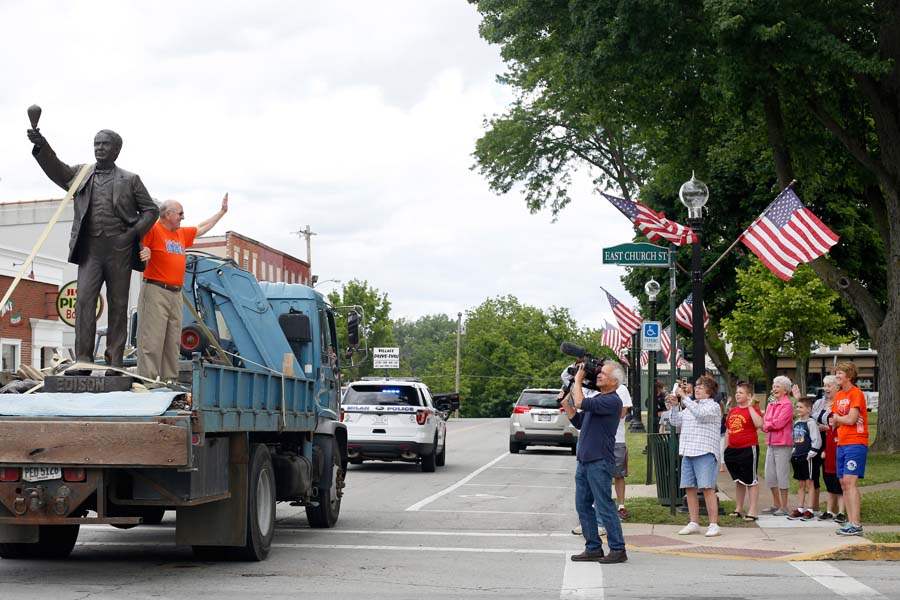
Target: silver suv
{"x":537,"y":420}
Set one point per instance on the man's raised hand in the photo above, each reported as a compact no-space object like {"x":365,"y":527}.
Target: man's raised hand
{"x":36,"y":138}
{"x":224,"y":208}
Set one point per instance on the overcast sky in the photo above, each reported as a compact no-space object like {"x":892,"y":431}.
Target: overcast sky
{"x":357,"y":118}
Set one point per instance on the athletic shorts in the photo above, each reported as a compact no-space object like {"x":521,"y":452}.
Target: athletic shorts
{"x":802,"y":467}
{"x":699,"y":471}
{"x":833,"y":484}
{"x":621,"y":469}
{"x":743,"y":464}
{"x":816,"y":469}
{"x":851,"y":460}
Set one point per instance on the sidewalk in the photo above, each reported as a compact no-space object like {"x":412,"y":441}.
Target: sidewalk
{"x":772,"y":538}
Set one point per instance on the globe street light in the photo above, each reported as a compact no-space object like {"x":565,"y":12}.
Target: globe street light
{"x":694,"y":194}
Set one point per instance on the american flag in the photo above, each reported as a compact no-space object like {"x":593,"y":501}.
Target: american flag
{"x":666,"y":342}
{"x":645,"y":358}
{"x":651,"y":223}
{"x":684,"y":313}
{"x":629,"y":321}
{"x":787,"y":234}
{"x":613,"y":338}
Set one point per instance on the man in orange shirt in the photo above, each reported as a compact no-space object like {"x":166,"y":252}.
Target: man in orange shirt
{"x":848,"y":409}
{"x":159,"y":305}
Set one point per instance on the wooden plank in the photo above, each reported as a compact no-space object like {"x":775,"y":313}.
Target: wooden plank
{"x":95,"y":443}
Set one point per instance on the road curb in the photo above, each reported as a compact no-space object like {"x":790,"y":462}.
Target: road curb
{"x":871,"y":551}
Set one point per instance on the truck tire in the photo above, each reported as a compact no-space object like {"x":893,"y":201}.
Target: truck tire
{"x":54,"y":541}
{"x":441,"y":459}
{"x":330,"y":485}
{"x":429,"y":461}
{"x":260,"y":507}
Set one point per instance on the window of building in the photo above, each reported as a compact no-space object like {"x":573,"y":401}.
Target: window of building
{"x":277,"y":273}
{"x":254,"y":271}
{"x":245,"y":261}
{"x":270,"y":276}
{"x":10,"y":355}
{"x":237,"y":255}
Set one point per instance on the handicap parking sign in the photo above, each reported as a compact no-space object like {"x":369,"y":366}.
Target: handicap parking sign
{"x":650,"y":338}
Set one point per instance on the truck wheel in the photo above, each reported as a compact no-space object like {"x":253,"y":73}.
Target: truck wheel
{"x":441,"y":459}
{"x":54,"y":541}
{"x":331,"y":487}
{"x":260,"y":507}
{"x":429,"y":460}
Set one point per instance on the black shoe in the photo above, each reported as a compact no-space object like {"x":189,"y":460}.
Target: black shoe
{"x":588,"y":556}
{"x":614,"y":556}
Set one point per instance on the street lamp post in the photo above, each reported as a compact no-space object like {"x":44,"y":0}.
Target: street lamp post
{"x":652,"y":289}
{"x":694,"y":195}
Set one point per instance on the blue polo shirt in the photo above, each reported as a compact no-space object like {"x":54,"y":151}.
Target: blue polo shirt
{"x":597,"y":423}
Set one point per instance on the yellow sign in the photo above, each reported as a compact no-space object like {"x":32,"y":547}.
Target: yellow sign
{"x":65,"y":303}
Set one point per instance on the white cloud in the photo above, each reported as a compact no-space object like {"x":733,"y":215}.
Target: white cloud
{"x":357,"y":118}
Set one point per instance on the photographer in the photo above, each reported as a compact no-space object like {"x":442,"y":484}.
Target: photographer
{"x":597,"y":422}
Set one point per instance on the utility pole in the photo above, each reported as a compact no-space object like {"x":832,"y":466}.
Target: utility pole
{"x":307,"y":233}
{"x":458,"y":336}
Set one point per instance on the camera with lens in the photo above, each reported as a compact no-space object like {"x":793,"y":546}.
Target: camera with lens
{"x":592,"y":365}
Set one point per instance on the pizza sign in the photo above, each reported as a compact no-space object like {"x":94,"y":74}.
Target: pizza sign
{"x":65,"y":303}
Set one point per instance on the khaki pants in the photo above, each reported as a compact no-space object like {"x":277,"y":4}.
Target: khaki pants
{"x":159,"y":332}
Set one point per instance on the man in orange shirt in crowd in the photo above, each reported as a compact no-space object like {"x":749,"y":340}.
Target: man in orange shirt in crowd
{"x":159,"y":305}
{"x":848,"y":409}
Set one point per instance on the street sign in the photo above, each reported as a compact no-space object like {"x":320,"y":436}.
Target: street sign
{"x":386,"y":358}
{"x":650,"y":336}
{"x":636,"y":255}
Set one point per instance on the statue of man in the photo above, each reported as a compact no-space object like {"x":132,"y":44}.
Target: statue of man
{"x":113,"y":211}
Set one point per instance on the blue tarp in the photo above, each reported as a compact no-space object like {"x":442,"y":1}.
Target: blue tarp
{"x":108,"y":404}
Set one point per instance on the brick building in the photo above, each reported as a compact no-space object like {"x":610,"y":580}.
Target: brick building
{"x":265,"y":262}
{"x":30,"y":328}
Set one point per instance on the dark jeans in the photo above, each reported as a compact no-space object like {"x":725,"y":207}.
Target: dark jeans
{"x":103,"y":260}
{"x":593,"y":491}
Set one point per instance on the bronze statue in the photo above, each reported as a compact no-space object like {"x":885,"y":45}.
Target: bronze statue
{"x":113,"y":211}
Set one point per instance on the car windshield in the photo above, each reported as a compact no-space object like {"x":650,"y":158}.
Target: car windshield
{"x":380,"y":394}
{"x":542,"y":399}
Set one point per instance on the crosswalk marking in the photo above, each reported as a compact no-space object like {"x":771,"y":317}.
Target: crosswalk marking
{"x":581,"y":580}
{"x":835,"y":580}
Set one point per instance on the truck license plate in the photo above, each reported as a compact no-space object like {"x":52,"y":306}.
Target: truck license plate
{"x":41,"y":473}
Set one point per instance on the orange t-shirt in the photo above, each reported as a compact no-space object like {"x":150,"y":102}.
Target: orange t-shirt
{"x":841,"y":405}
{"x":167,"y":259}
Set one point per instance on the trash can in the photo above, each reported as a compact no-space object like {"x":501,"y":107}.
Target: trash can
{"x":667,"y":465}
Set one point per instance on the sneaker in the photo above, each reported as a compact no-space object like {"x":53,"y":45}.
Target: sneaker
{"x":826,"y":516}
{"x":794,"y":514}
{"x":689,"y":529}
{"x":623,"y":513}
{"x":713,"y":530}
{"x":577,"y":530}
{"x":850,"y":529}
{"x":840,"y":518}
{"x":769,"y":511}
{"x":807,"y":515}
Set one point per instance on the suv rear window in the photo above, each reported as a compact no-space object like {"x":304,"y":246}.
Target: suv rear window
{"x":541,"y":399}
{"x":386,"y":395}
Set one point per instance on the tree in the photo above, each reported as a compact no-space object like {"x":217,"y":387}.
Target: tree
{"x":807,"y":90}
{"x":774,"y":316}
{"x":428,"y":350}
{"x":375,"y":327}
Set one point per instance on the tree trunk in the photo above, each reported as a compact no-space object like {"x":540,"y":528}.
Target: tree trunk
{"x":770,"y":365}
{"x":888,"y":438}
{"x":802,"y":361}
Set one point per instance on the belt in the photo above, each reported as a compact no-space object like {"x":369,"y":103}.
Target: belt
{"x":165,"y":286}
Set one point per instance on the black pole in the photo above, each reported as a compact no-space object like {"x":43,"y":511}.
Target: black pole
{"x":697,"y":291}
{"x":636,"y":424}
{"x":652,"y":425}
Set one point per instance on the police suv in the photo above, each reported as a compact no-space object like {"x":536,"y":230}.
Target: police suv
{"x":396,"y":419}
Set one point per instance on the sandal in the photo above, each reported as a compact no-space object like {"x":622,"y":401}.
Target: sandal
{"x":751,"y":518}
{"x":735,"y":514}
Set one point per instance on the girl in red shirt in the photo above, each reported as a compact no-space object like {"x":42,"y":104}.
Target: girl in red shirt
{"x":742,"y":449}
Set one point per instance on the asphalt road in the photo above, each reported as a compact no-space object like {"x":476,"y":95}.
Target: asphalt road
{"x":488,"y":525}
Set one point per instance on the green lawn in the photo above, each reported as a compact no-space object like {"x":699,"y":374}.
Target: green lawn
{"x":881,"y":507}
{"x":649,"y":510}
{"x":883,"y":537}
